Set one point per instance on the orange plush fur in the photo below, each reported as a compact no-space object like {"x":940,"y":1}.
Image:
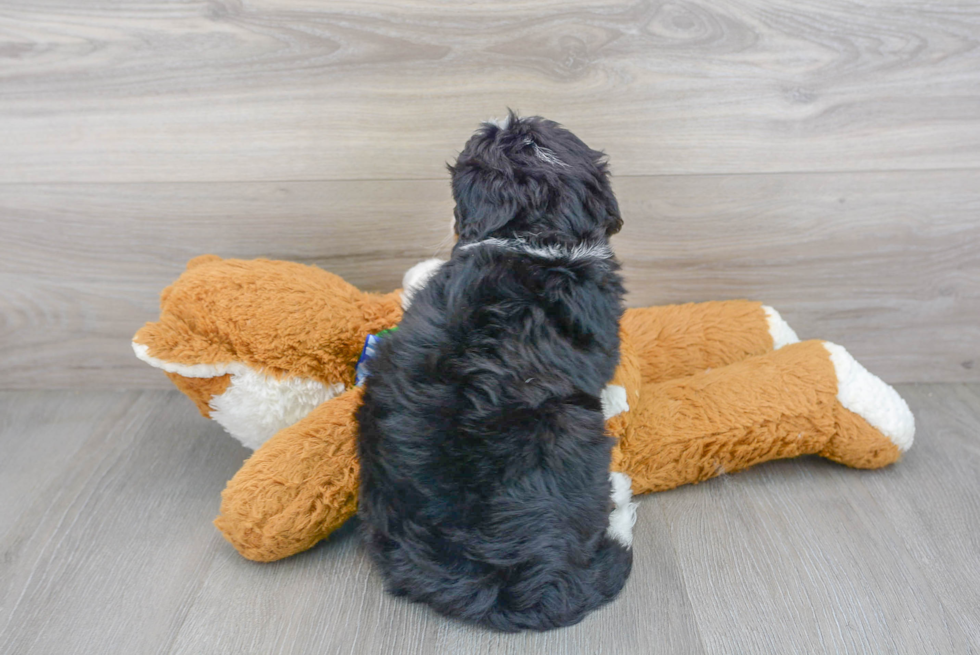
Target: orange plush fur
{"x":705,"y":392}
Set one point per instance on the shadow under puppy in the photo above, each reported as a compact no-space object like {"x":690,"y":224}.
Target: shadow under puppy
{"x":485,"y":484}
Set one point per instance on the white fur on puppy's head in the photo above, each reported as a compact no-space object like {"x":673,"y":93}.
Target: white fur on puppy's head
{"x":416,"y":278}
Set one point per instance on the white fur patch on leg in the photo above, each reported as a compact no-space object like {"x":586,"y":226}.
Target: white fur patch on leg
{"x":416,"y":278}
{"x":780,"y":331}
{"x":614,"y":401}
{"x":623,"y":517}
{"x":256,"y":406}
{"x":869,"y":397}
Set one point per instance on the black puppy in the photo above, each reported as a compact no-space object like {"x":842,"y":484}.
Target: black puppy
{"x":485,"y":485}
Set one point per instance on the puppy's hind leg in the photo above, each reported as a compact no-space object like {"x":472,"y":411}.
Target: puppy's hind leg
{"x":614,"y":559}
{"x":623,"y":517}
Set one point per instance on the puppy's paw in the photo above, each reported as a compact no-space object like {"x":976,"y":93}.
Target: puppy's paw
{"x":623,"y":516}
{"x":416,"y":278}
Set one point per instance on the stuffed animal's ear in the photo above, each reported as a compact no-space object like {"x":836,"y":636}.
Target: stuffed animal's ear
{"x":181,"y":344}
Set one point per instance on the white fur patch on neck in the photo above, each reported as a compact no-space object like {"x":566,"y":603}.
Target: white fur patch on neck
{"x":255,"y":406}
{"x":416,"y":277}
{"x":780,"y":331}
{"x":869,"y":397}
{"x":580,"y":251}
{"x":623,"y":517}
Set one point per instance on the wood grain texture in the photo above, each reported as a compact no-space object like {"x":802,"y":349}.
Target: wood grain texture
{"x":936,"y":523}
{"x":107,"y":557}
{"x":825,"y":571}
{"x":887,"y":264}
{"x":82,"y":266}
{"x":118,"y":555}
{"x":112,"y":551}
{"x":298,"y":90}
{"x":331,"y":600}
{"x":821,"y":157}
{"x":41,"y":440}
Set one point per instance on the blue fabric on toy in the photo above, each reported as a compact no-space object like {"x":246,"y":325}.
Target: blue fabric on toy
{"x":371,"y":343}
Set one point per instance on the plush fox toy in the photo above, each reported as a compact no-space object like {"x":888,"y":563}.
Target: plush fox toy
{"x":269,"y":349}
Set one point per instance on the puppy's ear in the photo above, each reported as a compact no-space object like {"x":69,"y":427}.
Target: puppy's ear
{"x":486,"y":201}
{"x":614,"y":221}
{"x":603,"y":206}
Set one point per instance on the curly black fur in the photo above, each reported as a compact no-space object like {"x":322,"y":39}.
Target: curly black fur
{"x":484,"y":461}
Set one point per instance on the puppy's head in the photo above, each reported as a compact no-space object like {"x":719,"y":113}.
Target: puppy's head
{"x":531,"y":176}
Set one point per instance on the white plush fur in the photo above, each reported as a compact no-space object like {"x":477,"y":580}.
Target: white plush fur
{"x":416,"y":277}
{"x":254,"y":406}
{"x":867,"y":396}
{"x":623,"y":517}
{"x":782,"y":334}
{"x":614,"y":401}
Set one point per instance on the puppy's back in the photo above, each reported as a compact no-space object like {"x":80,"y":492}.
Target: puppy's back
{"x":485,"y":484}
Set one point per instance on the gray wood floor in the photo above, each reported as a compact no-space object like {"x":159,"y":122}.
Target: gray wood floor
{"x":106,"y":546}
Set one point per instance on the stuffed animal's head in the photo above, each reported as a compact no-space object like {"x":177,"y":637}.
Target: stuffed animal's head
{"x":258,"y":344}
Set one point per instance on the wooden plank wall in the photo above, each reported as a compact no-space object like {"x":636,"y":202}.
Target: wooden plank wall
{"x":823,"y":157}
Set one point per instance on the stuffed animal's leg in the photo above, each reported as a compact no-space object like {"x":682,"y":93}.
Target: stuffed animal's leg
{"x":805,"y":398}
{"x":677,"y":340}
{"x":296,"y":489}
